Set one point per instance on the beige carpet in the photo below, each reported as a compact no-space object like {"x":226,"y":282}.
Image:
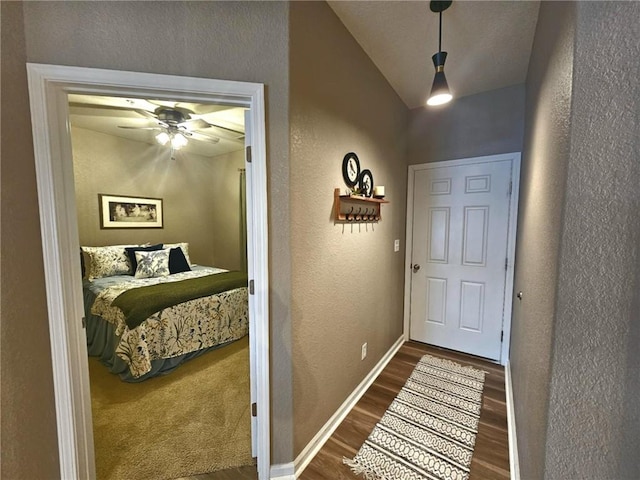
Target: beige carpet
{"x":194,"y":420}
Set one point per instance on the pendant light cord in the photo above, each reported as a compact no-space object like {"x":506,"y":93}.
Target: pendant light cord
{"x":440,"y":34}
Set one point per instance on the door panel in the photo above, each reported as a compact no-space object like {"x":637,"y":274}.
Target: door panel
{"x":459,"y":250}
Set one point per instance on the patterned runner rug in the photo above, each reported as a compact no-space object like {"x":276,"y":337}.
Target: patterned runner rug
{"x":429,"y":430}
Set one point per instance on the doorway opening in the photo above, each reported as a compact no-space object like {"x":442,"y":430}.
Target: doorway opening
{"x":49,"y":87}
{"x":135,"y":187}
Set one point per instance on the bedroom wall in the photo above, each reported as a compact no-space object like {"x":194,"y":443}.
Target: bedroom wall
{"x":487,"y":123}
{"x":594,"y":414}
{"x":117,"y":166}
{"x":225,"y":187}
{"x":348,"y":284}
{"x":542,"y":191}
{"x":226,"y":40}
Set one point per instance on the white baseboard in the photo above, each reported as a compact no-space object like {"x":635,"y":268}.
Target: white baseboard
{"x":316,"y":443}
{"x":514,"y":463}
{"x":282,"y":471}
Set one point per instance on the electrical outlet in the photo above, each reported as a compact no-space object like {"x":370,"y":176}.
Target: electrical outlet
{"x":396,"y":246}
{"x":364,"y":351}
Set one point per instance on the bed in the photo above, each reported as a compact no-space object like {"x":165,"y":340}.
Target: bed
{"x":141,"y":325}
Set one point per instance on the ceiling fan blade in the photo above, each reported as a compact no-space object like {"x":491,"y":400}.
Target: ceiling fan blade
{"x":145,"y":113}
{"x":138,"y":128}
{"x":204,"y":138}
{"x":194,"y":124}
{"x":162,"y":103}
{"x":237,"y":132}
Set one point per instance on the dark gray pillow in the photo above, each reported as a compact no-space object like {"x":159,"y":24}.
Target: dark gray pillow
{"x":177,"y":261}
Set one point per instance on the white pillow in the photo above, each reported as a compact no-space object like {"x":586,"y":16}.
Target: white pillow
{"x":152,"y":264}
{"x":106,"y":261}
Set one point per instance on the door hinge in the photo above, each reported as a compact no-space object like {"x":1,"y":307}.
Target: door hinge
{"x":254,"y":409}
{"x":248,"y":149}
{"x":252,"y":289}
{"x":506,"y":264}
{"x":510,"y":187}
{"x":84,"y":322}
{"x":501,"y":335}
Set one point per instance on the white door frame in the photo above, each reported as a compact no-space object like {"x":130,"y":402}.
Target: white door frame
{"x":511,"y":237}
{"x":48,"y":89}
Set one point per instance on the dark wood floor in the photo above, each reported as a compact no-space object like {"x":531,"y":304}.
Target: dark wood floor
{"x":491,"y":453}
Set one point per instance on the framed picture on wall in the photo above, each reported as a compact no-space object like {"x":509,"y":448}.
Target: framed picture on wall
{"x":129,"y":212}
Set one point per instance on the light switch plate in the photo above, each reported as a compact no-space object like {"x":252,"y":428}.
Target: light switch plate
{"x":396,"y":246}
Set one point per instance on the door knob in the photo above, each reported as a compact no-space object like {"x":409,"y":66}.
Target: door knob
{"x":415,"y":267}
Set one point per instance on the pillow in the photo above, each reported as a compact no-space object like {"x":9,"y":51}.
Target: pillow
{"x":106,"y":261}
{"x":152,"y":264}
{"x":131,"y":252}
{"x":184,"y":246}
{"x":177,"y":261}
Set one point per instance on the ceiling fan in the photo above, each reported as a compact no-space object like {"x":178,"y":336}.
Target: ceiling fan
{"x":175,"y":125}
{"x":172,"y":123}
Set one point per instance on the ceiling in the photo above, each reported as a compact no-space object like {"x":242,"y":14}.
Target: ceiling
{"x":488,"y":43}
{"x":133,"y":119}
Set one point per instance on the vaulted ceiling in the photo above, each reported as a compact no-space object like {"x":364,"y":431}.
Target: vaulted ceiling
{"x":488,"y":43}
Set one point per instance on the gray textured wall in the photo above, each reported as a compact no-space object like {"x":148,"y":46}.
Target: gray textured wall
{"x":594,"y":414}
{"x":483,"y":124}
{"x":574,"y":354}
{"x":347,"y":280}
{"x":542,"y":186}
{"x":29,"y":446}
{"x":225,"y":40}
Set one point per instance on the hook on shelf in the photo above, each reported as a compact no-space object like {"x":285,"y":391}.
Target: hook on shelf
{"x":350,"y":216}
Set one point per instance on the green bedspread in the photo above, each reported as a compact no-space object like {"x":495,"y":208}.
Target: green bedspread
{"x":140,"y":303}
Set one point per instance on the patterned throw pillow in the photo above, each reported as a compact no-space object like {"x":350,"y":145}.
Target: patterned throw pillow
{"x":131,"y":253}
{"x":152,"y":264}
{"x":184,"y":246}
{"x":106,"y":261}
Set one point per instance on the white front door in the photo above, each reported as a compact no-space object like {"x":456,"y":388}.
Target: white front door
{"x":459,"y":256}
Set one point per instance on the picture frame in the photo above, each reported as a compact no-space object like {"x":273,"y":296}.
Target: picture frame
{"x":118,"y":211}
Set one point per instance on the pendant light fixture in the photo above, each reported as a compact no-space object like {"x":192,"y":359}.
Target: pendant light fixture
{"x":440,"y":93}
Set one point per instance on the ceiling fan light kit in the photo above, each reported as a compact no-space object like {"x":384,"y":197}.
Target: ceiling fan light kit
{"x":177,"y":139}
{"x":440,"y":93}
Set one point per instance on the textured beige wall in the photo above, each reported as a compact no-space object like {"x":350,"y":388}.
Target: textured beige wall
{"x":28,"y":447}
{"x":542,"y":190}
{"x":225,"y":40}
{"x":594,"y":414}
{"x":225,"y":209}
{"x":483,"y":124}
{"x":347,"y":281}
{"x":114,"y":165}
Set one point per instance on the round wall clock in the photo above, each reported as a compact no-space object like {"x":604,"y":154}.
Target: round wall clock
{"x":366,"y":183}
{"x":351,"y":169}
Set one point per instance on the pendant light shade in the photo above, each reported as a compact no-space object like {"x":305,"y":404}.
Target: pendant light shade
{"x":440,"y":93}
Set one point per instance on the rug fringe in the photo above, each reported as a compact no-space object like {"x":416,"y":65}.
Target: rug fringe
{"x":359,"y":469}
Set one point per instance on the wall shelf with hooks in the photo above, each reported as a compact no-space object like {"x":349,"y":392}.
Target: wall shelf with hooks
{"x":353,"y":208}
